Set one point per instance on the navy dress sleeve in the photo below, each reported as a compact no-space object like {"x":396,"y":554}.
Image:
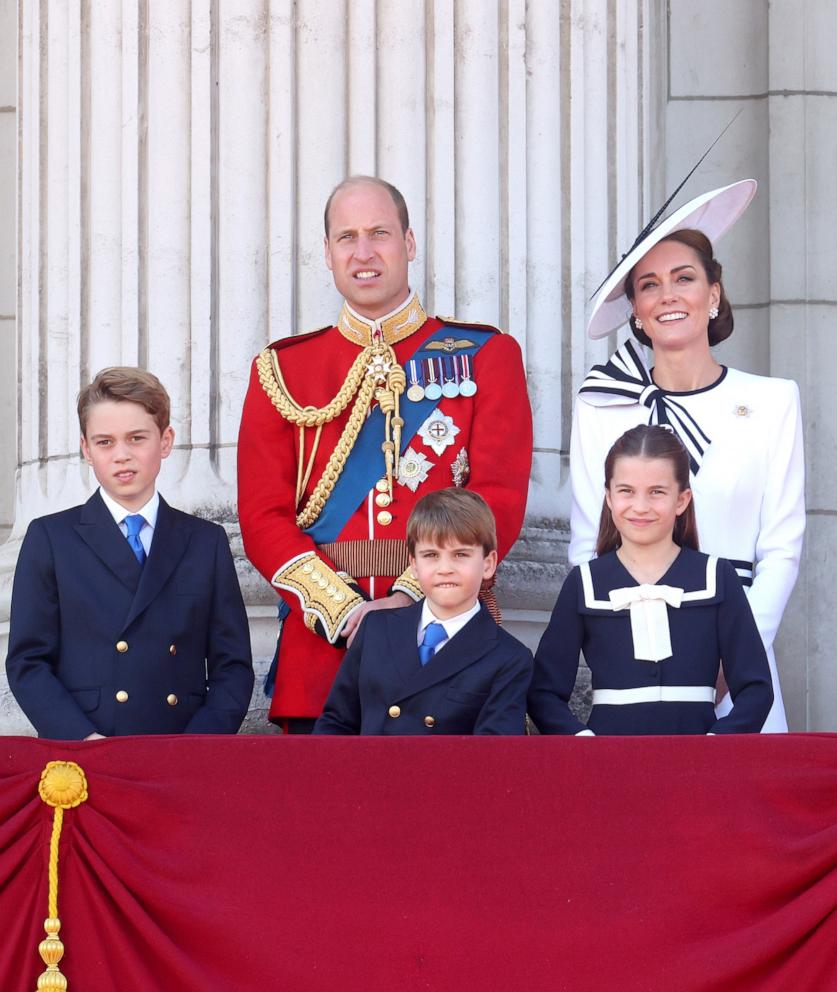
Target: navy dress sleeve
{"x":744,"y":659}
{"x":556,"y":664}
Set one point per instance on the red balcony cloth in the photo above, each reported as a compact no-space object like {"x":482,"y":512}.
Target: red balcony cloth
{"x":306,"y":864}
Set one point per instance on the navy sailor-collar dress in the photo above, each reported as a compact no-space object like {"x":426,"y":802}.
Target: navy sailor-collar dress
{"x":708,"y":619}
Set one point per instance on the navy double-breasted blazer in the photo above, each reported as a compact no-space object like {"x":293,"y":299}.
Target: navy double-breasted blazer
{"x":476,"y":682}
{"x":100,"y":643}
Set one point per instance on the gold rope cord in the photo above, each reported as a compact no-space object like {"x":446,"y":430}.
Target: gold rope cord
{"x":63,"y":785}
{"x":334,"y":466}
{"x":270,"y":376}
{"x":375,"y":364}
{"x":314,"y":448}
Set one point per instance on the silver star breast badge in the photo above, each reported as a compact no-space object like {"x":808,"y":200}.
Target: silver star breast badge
{"x":413,"y":468}
{"x":438,"y":431}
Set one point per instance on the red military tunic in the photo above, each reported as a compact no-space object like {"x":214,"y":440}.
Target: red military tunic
{"x":490,"y":453}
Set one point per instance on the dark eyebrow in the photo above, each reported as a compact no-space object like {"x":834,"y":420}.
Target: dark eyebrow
{"x":678,"y":268}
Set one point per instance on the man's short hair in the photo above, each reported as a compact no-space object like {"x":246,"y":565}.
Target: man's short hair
{"x":125,"y":384}
{"x":395,"y":194}
{"x":448,"y":515}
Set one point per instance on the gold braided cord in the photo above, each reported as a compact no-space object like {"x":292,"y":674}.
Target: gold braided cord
{"x":273,"y":383}
{"x":63,"y":785}
{"x":57,"y":823}
{"x":299,"y":467}
{"x":314,"y":448}
{"x":334,"y":466}
{"x":375,"y":373}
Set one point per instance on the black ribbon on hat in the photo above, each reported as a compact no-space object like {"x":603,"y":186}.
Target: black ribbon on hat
{"x":624,"y":378}
{"x":643,"y":234}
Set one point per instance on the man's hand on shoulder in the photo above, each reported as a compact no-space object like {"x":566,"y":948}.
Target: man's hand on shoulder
{"x":385,"y":603}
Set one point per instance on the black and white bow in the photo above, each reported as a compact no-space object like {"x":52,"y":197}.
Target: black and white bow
{"x":624,"y":378}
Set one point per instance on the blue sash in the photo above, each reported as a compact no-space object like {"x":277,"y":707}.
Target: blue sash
{"x":363,"y":467}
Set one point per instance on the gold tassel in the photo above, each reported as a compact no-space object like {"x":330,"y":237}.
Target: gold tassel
{"x":63,"y":786}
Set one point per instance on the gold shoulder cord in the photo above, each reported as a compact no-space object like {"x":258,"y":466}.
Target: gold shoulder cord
{"x":375,"y":373}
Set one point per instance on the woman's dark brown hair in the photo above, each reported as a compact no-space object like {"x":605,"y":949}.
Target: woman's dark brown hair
{"x":721,"y":327}
{"x":647,"y":441}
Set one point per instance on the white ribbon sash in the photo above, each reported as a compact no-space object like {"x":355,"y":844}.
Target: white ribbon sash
{"x":649,"y":617}
{"x":625,"y":379}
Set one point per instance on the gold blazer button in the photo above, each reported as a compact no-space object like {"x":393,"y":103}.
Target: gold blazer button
{"x":122,"y":696}
{"x":172,"y":649}
{"x":122,"y":646}
{"x":394,"y":711}
{"x":385,"y":518}
{"x":430,"y":721}
{"x":171,"y":699}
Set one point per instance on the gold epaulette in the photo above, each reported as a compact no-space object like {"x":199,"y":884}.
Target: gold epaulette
{"x":325,"y":595}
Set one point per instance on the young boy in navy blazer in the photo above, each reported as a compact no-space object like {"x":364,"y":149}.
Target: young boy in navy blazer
{"x":127,"y":616}
{"x":442,"y":665}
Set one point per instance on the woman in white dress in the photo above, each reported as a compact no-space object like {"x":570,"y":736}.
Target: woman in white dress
{"x":743,"y":432}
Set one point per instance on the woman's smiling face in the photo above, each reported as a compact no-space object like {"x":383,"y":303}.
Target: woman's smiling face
{"x":672,"y":296}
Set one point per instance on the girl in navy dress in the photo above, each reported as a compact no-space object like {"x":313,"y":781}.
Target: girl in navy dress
{"x":652,"y":614}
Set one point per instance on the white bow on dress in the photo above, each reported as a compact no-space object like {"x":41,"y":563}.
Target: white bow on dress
{"x":649,"y":617}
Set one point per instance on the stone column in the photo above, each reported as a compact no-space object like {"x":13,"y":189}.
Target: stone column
{"x":802,"y":144}
{"x":780,"y":261}
{"x":174,"y":161}
{"x":8,"y":241}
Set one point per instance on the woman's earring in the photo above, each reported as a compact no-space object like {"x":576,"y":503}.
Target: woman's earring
{"x":713,"y":313}
{"x":638,"y":323}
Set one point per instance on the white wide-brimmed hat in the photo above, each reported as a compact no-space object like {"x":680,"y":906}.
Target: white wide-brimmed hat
{"x":713,"y":213}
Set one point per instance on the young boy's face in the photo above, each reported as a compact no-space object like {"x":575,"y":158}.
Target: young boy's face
{"x":450,"y":575}
{"x":125,"y":447}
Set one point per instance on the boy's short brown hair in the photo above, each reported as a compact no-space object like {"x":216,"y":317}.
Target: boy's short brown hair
{"x":452,"y":514}
{"x":126,"y":384}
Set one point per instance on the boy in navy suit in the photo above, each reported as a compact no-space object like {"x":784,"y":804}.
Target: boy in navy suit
{"x":442,"y":665}
{"x":127,"y":616}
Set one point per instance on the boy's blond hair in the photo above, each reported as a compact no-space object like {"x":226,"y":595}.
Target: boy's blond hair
{"x":125,"y":384}
{"x":452,"y":515}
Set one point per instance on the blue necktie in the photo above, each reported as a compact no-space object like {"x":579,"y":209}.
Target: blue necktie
{"x":434,"y":634}
{"x":135,"y":523}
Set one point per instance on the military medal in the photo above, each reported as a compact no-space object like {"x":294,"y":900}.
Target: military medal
{"x":451,"y":386}
{"x":438,"y":432}
{"x":415,"y":393}
{"x":432,"y":391}
{"x":467,"y":386}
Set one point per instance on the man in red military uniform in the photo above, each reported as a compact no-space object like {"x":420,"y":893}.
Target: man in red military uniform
{"x":345,"y":428}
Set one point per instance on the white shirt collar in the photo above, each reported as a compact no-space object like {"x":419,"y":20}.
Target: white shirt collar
{"x":118,"y":512}
{"x":452,"y":626}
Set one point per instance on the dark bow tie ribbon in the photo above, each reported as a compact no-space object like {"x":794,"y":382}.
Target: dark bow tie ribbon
{"x":624,"y":378}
